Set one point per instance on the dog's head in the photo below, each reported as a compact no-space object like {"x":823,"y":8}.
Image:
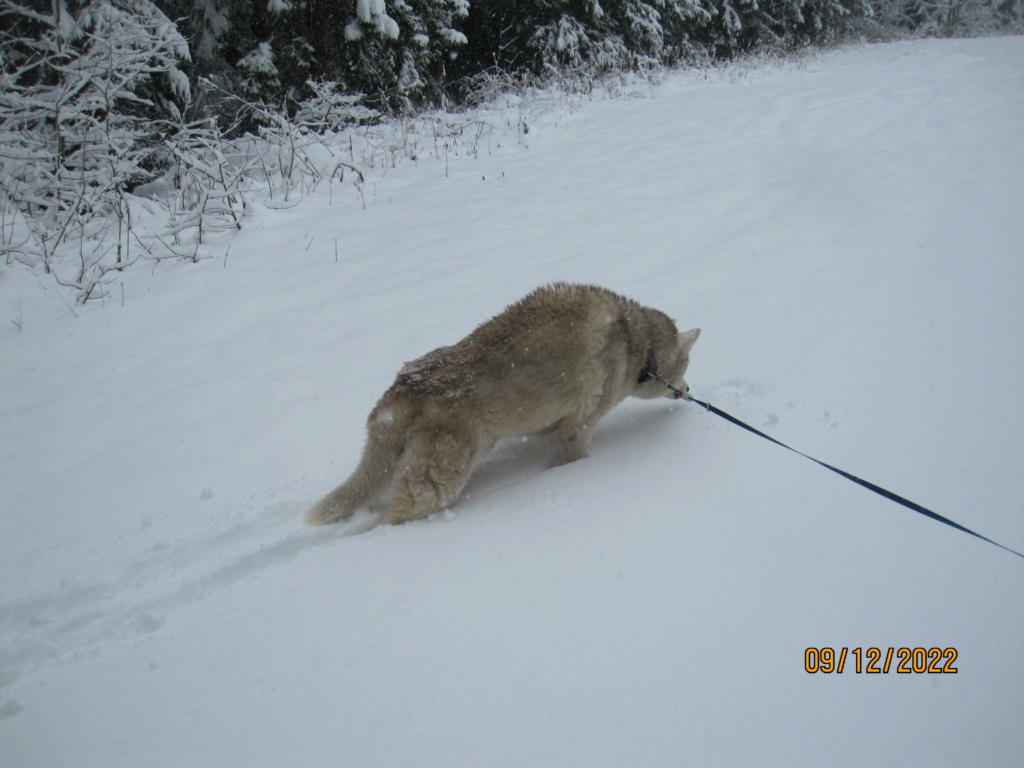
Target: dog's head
{"x":667,"y":359}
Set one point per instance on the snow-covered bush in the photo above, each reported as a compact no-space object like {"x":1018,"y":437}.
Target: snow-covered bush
{"x":330,"y":110}
{"x":209,"y":178}
{"x":86,"y":94}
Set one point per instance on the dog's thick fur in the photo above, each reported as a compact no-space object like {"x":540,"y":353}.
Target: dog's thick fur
{"x":555,"y":361}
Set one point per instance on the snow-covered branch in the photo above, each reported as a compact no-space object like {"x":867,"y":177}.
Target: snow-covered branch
{"x":85,"y":97}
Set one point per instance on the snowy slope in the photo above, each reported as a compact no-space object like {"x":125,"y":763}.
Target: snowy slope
{"x":847,"y":233}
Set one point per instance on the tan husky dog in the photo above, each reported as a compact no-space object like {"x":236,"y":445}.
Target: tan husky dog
{"x":555,"y":361}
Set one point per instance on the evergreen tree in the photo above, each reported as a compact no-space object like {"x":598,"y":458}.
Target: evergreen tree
{"x":267,"y":50}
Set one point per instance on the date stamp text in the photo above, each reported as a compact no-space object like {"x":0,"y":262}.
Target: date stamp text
{"x":881,"y":661}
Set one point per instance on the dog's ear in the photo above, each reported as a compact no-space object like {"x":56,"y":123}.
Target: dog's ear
{"x":687,"y":339}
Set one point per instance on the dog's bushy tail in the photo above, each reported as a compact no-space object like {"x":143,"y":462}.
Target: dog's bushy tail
{"x":385,"y":440}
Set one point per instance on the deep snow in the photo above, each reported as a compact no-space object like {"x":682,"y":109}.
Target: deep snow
{"x":846,"y":231}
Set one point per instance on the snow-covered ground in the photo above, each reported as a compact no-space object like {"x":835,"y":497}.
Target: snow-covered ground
{"x":846,"y":230}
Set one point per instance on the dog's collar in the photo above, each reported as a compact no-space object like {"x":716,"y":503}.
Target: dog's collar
{"x":650,"y":369}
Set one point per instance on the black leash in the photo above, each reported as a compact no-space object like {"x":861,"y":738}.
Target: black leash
{"x":859,"y":481}
{"x":650,"y":371}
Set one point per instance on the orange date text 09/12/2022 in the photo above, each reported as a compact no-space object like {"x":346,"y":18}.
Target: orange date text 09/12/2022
{"x":902,"y":661}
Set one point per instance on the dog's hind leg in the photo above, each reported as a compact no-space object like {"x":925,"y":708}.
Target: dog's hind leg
{"x":435,"y":469}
